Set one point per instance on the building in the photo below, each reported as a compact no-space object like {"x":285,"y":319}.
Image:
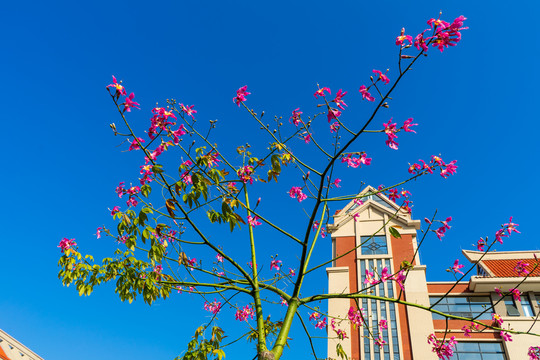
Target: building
{"x":11,"y":349}
{"x":361,"y":238}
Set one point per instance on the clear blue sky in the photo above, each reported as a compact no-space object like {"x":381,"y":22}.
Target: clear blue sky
{"x":475,"y":103}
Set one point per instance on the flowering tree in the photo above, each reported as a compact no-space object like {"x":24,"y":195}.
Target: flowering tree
{"x":162,"y":230}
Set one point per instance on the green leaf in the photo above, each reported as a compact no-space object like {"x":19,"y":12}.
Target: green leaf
{"x":146,"y":190}
{"x":157,"y":169}
{"x":394,"y":232}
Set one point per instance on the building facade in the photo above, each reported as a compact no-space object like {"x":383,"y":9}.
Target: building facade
{"x":362,"y":243}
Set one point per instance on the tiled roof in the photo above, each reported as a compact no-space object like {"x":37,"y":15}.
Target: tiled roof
{"x":505,"y":267}
{"x":3,"y":355}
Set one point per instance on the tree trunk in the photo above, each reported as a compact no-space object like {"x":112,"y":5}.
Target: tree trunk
{"x":266,"y":355}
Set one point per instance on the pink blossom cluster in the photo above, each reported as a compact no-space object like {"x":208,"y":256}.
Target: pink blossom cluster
{"x":365,"y":94}
{"x":158,"y":269}
{"x":391,"y":129}
{"x":66,"y":244}
{"x":296,"y":192}
{"x":120,"y":90}
{"x":467,"y":330}
{"x":245,"y":173}
{"x":505,"y":231}
{"x":160,"y":120}
{"x":213,"y":307}
{"x":356,"y":162}
{"x":245,"y":313}
{"x":147,"y":173}
{"x":319,"y":322}
{"x":394,"y":194}
{"x":443,"y":348}
{"x":185,"y":177}
{"x":436,"y":161}
{"x":534,"y":353}
{"x":505,"y":336}
{"x":445,"y":34}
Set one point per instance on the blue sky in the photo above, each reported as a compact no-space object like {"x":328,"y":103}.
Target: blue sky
{"x":474,"y":103}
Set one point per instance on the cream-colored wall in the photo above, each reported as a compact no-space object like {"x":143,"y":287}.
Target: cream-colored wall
{"x":518,"y":347}
{"x":420,"y":321}
{"x":338,"y":282}
{"x":15,"y":350}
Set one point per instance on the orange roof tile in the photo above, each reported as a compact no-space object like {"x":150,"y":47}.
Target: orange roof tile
{"x":3,"y":355}
{"x":505,"y":267}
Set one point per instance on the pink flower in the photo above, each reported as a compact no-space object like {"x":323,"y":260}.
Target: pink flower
{"x":135,"y":145}
{"x":505,"y":336}
{"x":499,"y":234}
{"x":534,"y":353}
{"x":449,"y":169}
{"x":115,"y":210}
{"x":243,"y":314}
{"x":466,"y":331}
{"x":383,"y":324}
{"x":296,"y":192}
{"x":365,"y":94}
{"x":510,"y":226}
{"x":176,"y":134}
{"x":282,"y":301}
{"x":414,"y":168}
{"x":241,"y":95}
{"x":66,"y":244}
{"x":213,"y":307}
{"x":119,"y":88}
{"x":334,"y":127}
{"x":158,"y":269}
{"x":333,"y":114}
{"x":443,"y":349}
{"x":321,"y":91}
{"x":480,"y":244}
{"x":292,"y":272}
{"x":245,"y":173}
{"x":456,"y":268}
{"x":393,"y":195}
{"x":192,"y":263}
{"x":129,"y":103}
{"x":253,"y":221}
{"x":358,"y":202}
{"x":370,"y":278}
{"x":336,"y":183}
{"x":275,"y":264}
{"x":316,"y":226}
{"x":497,"y":318}
{"x":339,"y":332}
{"x":380,"y":342}
{"x":407,"y":125}
{"x":296,"y":117}
{"x":307,"y":138}
{"x":419,"y":41}
{"x":321,"y":324}
{"x":98,"y":232}
{"x":382,"y":76}
{"x":339,"y":99}
{"x":401,"y":38}
{"x":520,"y":268}
{"x":516,"y":294}
{"x":188,"y":110}
{"x":314,"y":316}
{"x":219,"y":258}
{"x":356,"y":162}
{"x":498,"y":291}
{"x":120,"y":189}
{"x":400,"y":278}
{"x":355,"y":316}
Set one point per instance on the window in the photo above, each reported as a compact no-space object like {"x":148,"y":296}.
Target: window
{"x":478,"y":351}
{"x":466,"y":306}
{"x":526,"y":306}
{"x":374,"y":245}
{"x":511,"y":307}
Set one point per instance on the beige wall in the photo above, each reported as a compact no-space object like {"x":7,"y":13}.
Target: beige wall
{"x":15,"y":350}
{"x":338,"y":282}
